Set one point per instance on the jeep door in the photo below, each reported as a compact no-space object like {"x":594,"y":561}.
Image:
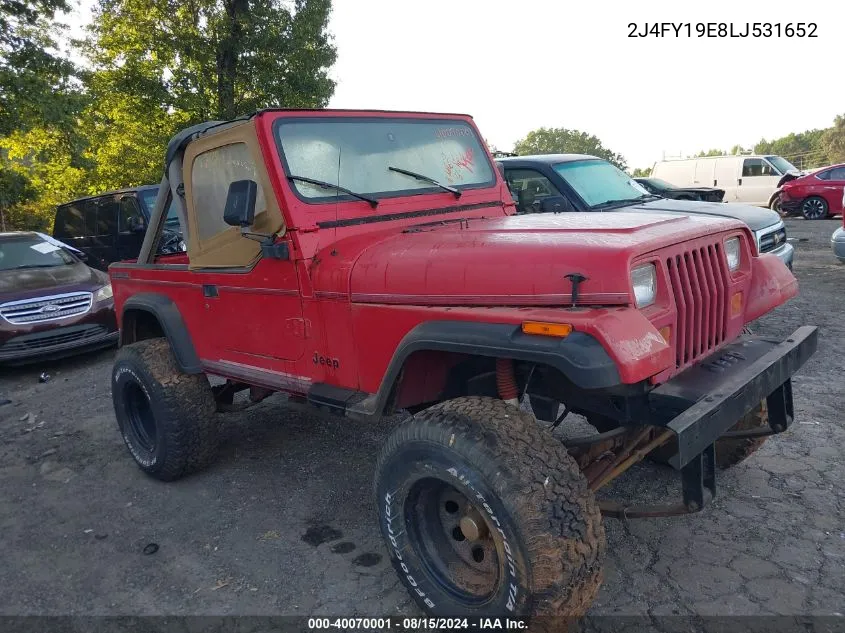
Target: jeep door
{"x":252,"y":303}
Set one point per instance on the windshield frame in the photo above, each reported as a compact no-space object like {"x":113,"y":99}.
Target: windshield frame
{"x":36,"y":239}
{"x":770,"y":159}
{"x":318,"y":201}
{"x":606,"y":204}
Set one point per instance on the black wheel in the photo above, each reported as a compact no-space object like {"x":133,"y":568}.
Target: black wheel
{"x":485,"y":513}
{"x":166,"y":417}
{"x":814,"y":208}
{"x":774,"y":205}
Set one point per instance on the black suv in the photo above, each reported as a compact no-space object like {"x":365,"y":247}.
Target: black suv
{"x":110,"y":227}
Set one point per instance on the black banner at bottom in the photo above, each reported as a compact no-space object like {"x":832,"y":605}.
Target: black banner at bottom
{"x":402,"y":624}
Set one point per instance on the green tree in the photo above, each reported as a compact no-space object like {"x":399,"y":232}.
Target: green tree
{"x":804,"y":149}
{"x":159,"y":65}
{"x":833,"y":141}
{"x":641,"y":172}
{"x":15,"y":190}
{"x":710,"y":152}
{"x":37,"y":85}
{"x":562,"y":141}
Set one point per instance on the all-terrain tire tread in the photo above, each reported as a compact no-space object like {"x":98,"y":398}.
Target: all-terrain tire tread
{"x":188,"y":403}
{"x":558,"y":514}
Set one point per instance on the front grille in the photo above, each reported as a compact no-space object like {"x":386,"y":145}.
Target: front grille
{"x":53,"y":338}
{"x":699,"y":280}
{"x":773,"y":240}
{"x":50,"y":308}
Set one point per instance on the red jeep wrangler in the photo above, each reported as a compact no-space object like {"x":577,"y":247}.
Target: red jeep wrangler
{"x":371,"y":263}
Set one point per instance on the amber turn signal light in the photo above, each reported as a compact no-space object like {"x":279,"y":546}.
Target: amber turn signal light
{"x":547,"y":329}
{"x":666,"y":333}
{"x":736,"y":304}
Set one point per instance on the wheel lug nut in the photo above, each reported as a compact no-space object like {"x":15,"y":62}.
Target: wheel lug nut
{"x":473,"y":526}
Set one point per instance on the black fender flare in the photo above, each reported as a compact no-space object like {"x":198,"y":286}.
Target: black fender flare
{"x":172,"y":324}
{"x":579,"y":356}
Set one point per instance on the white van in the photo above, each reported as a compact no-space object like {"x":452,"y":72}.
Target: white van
{"x":748,"y":179}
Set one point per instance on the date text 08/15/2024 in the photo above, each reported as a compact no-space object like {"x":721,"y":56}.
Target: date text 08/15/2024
{"x":418,"y":624}
{"x":722,"y":29}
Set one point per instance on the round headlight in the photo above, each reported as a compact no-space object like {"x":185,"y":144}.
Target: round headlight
{"x":644,"y":282}
{"x":732,"y":253}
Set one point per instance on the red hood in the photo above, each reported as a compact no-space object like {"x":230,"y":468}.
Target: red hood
{"x":512,"y":260}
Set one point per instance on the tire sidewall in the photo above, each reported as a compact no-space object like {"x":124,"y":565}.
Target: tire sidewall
{"x":416,"y":461}
{"x":125,"y":372}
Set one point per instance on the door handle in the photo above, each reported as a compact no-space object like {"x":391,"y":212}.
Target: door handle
{"x":739,"y":182}
{"x":209,"y":290}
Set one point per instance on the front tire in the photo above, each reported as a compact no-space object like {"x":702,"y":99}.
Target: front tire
{"x":166,"y":417}
{"x":485,"y":513}
{"x":814,"y":208}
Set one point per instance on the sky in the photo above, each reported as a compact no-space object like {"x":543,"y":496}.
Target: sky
{"x":522,"y":64}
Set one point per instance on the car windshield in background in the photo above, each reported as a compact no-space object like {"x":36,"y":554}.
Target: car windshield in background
{"x":600,"y":183}
{"x":148,"y":199}
{"x":781,"y":164}
{"x":661,"y":184}
{"x":358,"y":154}
{"x":27,"y":251}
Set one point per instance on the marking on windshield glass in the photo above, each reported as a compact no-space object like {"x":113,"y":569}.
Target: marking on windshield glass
{"x":454,"y":164}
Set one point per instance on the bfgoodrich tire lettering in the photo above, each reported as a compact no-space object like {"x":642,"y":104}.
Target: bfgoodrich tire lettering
{"x":166,"y":417}
{"x":524,"y":491}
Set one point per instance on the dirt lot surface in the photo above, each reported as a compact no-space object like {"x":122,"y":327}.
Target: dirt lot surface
{"x":283,"y":523}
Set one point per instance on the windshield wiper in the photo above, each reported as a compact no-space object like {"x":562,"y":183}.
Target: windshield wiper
{"x":23,"y":266}
{"x":424,"y":178}
{"x":608,"y":203}
{"x":327,"y":185}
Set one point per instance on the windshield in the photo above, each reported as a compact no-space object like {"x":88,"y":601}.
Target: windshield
{"x":599,"y":182}
{"x":30,"y":251}
{"x":659,"y":183}
{"x":781,"y":164}
{"x":148,"y":199}
{"x":358,"y":154}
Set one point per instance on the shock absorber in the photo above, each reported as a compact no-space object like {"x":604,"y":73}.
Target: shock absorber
{"x":506,"y":381}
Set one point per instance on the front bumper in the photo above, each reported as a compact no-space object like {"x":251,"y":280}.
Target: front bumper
{"x":714,"y":394}
{"x":785,"y":253}
{"x":21,"y":344}
{"x":837,"y":243}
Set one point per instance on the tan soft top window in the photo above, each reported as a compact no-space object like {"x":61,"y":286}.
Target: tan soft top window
{"x":213,"y":163}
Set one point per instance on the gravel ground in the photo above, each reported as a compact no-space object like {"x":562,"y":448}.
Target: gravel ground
{"x":283,"y":522}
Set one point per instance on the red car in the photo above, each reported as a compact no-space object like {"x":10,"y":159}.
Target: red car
{"x":816,"y":196}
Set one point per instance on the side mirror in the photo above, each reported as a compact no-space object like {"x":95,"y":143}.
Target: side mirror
{"x":135,"y":224}
{"x":555,"y":204}
{"x":240,"y":203}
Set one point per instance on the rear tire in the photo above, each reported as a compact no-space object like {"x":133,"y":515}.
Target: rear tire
{"x":485,"y":513}
{"x":814,"y":208}
{"x":166,"y":417}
